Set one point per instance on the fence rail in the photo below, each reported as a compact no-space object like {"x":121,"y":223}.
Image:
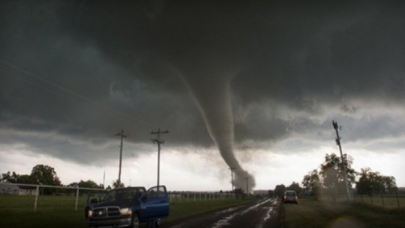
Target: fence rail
{"x":387,"y":200}
{"x":384,"y":200}
{"x":199,"y":196}
{"x":38,"y":187}
{"x":77,"y":191}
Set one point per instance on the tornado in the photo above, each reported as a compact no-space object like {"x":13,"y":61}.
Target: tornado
{"x":209,"y":84}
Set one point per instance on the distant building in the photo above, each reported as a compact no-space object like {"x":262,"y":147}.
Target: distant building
{"x":7,"y":188}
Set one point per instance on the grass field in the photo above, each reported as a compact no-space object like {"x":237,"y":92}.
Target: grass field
{"x":312,"y":213}
{"x":59,"y":211}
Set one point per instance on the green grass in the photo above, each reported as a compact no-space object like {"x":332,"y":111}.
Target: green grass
{"x":59,"y":211}
{"x":313,"y":213}
{"x":181,"y":210}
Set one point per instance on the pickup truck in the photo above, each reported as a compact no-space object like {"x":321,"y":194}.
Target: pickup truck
{"x":127,"y":207}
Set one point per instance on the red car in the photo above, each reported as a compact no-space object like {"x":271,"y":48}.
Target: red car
{"x":290,"y":196}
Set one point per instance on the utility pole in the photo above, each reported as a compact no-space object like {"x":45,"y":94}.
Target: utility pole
{"x":247,"y":185}
{"x":119,"y":173}
{"x":158,"y":141}
{"x":335,"y":126}
{"x":232,"y":169}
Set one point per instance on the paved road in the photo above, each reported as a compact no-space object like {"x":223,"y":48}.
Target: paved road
{"x":261,"y":214}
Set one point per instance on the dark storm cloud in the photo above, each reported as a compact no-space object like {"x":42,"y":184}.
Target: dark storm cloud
{"x":134,"y":57}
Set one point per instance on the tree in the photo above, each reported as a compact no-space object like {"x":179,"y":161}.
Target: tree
{"x":238,"y":192}
{"x":117,"y":184}
{"x":13,"y":177}
{"x":333,"y":174}
{"x":88,"y":184}
{"x":295,"y":187}
{"x":45,"y":175}
{"x":279,"y":190}
{"x":373,"y":182}
{"x":312,"y":183}
{"x":390,"y":184}
{"x":9,"y":177}
{"x":24,"y":179}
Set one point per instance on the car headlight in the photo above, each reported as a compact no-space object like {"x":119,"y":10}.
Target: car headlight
{"x":89,"y":213}
{"x":125,"y":211}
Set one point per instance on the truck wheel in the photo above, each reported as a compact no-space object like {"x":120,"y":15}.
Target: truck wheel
{"x":135,"y":221}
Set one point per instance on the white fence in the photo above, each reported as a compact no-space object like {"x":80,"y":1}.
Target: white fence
{"x":199,"y":196}
{"x":188,"y":196}
{"x":77,"y":188}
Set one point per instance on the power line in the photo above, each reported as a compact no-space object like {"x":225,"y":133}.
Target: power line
{"x":72,"y":93}
{"x":34,"y":84}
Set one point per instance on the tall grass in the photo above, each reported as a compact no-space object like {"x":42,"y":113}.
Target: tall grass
{"x":313,"y":213}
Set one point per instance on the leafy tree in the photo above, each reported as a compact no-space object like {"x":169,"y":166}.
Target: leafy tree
{"x":372,"y":182}
{"x":390,"y":184}
{"x":279,"y":190}
{"x":16,"y":178}
{"x":271,"y":193}
{"x":24,"y":179}
{"x":312,"y":183}
{"x":117,"y":184}
{"x":238,"y":192}
{"x":9,"y":177}
{"x":332,"y":172}
{"x":88,"y":184}
{"x":295,"y":187}
{"x":45,"y":175}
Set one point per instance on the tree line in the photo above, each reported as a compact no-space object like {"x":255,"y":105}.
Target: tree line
{"x":329,"y":180}
{"x":45,"y":175}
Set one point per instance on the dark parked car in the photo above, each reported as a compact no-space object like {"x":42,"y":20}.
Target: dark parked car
{"x":128,"y":207}
{"x":290,"y":196}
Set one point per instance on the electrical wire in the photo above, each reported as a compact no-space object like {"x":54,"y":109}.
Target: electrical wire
{"x":73,"y":93}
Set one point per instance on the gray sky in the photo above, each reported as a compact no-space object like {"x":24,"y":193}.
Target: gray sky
{"x":259,"y":80}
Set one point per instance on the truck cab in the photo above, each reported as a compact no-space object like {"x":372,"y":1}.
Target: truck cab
{"x":128,"y":207}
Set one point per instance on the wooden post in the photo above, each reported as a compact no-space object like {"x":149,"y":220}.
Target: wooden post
{"x":36,"y":199}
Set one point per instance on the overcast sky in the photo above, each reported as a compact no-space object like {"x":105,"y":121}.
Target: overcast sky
{"x":253,"y":86}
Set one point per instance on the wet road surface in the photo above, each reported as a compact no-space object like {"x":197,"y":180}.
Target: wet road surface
{"x":260,"y":214}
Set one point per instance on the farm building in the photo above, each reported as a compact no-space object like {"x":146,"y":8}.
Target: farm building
{"x":7,"y":188}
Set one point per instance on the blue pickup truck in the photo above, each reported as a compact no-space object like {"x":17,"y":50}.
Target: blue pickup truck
{"x":127,"y":207}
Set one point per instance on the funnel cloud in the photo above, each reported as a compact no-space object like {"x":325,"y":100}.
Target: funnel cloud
{"x":210,"y":87}
{"x":249,"y":79}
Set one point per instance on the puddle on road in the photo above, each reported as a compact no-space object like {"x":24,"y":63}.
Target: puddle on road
{"x":225,"y":221}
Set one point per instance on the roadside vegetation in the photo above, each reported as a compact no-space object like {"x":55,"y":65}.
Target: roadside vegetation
{"x":316,"y":213}
{"x":59,"y":211}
